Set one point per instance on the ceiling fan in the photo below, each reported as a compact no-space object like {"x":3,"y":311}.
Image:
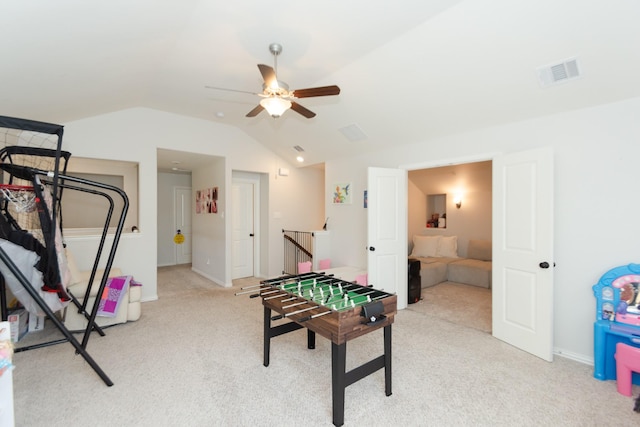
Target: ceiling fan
{"x":276,"y":96}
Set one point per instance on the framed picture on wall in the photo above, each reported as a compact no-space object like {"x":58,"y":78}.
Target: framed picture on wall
{"x":207,"y":200}
{"x":342,"y":194}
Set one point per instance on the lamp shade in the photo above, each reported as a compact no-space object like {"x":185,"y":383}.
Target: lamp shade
{"x":275,"y":106}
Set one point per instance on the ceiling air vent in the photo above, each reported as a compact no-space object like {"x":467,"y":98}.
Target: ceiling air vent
{"x":353,"y":133}
{"x":298,"y":148}
{"x":559,"y":73}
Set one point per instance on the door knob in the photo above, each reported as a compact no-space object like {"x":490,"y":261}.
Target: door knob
{"x":371,"y":248}
{"x":251,"y":235}
{"x":544,"y":264}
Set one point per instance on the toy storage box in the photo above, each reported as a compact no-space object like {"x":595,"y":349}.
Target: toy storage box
{"x":19,"y":324}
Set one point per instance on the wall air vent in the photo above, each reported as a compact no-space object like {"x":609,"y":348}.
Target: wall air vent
{"x":563,"y":72}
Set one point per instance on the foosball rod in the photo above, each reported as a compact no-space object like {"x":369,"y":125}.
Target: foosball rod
{"x":282,"y":316}
{"x":313,"y":316}
{"x":265,"y":293}
{"x":290,"y":277}
{"x":273,"y":290}
{"x":275,"y":296}
{"x":248,"y":292}
{"x":295,"y":304}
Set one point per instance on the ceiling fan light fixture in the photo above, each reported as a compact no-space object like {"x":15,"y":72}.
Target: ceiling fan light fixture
{"x":275,"y":106}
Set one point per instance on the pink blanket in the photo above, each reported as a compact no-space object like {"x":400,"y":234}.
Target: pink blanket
{"x":114,"y":291}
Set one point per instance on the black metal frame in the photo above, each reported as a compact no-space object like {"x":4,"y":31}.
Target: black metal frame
{"x":59,"y":181}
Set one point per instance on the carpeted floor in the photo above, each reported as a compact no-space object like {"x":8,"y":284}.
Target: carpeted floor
{"x":195,"y":359}
{"x":463,"y":305}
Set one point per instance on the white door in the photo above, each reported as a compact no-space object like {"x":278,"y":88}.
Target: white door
{"x":387,"y":231}
{"x":242,"y":224}
{"x":182,"y":214}
{"x":523,"y":251}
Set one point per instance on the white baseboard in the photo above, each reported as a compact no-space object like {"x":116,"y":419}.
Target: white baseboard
{"x":574,"y":356}
{"x":213,"y":279}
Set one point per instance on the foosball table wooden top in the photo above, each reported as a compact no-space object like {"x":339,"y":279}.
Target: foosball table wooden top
{"x":339,"y":326}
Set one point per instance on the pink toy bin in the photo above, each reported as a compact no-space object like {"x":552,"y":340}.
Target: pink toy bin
{"x":324,"y":264}
{"x":304,"y":267}
{"x":627,"y":362}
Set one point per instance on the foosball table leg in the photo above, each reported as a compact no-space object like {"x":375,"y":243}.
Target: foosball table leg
{"x":311,"y":339}
{"x":338,"y":381}
{"x":267,"y":335}
{"x":387,"y":360}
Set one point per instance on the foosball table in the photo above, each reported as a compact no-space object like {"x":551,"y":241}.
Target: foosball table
{"x":335,"y":309}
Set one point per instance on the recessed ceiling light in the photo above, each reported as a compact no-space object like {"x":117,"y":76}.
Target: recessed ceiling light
{"x":175,"y":162}
{"x":300,"y":159}
{"x":220,"y":114}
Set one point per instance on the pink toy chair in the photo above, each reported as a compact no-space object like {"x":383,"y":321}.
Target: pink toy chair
{"x":324,"y":264}
{"x":304,"y":267}
{"x":362,"y":279}
{"x":627,"y":361}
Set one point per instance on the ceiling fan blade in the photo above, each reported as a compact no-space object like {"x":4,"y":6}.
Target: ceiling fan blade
{"x":317,"y":91}
{"x":230,"y":90}
{"x":302,"y":110}
{"x":269,"y":76}
{"x":255,"y":111}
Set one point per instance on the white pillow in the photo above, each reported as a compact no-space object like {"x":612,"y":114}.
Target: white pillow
{"x":425,"y":246}
{"x":448,"y":247}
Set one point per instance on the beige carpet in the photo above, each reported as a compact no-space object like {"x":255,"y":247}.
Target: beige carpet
{"x":195,"y":359}
{"x":463,"y":305}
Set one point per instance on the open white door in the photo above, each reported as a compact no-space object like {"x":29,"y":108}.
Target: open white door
{"x":182,"y":213}
{"x":242,"y":217}
{"x":523,"y":251}
{"x":387,"y":231}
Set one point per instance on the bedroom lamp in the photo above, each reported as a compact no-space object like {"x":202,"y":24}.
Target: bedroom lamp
{"x":275,"y":106}
{"x":458,"y":201}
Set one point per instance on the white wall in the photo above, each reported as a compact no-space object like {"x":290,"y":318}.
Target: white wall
{"x":417,"y":212}
{"x":596,"y":224}
{"x":135,"y":135}
{"x":208,"y":230}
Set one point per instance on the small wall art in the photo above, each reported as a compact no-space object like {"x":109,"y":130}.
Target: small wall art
{"x":342,"y":194}
{"x":207,"y":200}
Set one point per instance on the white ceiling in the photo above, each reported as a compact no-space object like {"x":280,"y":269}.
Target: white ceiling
{"x":409,"y":70}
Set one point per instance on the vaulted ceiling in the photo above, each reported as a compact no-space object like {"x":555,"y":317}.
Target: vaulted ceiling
{"x":409,"y":70}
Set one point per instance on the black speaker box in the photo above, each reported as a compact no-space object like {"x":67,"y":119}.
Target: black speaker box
{"x":415,"y":288}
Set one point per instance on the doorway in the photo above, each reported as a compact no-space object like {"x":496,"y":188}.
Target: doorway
{"x":468,"y":185}
{"x":522,"y":249}
{"x":173,"y":187}
{"x":182,"y":220}
{"x":245,"y":225}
